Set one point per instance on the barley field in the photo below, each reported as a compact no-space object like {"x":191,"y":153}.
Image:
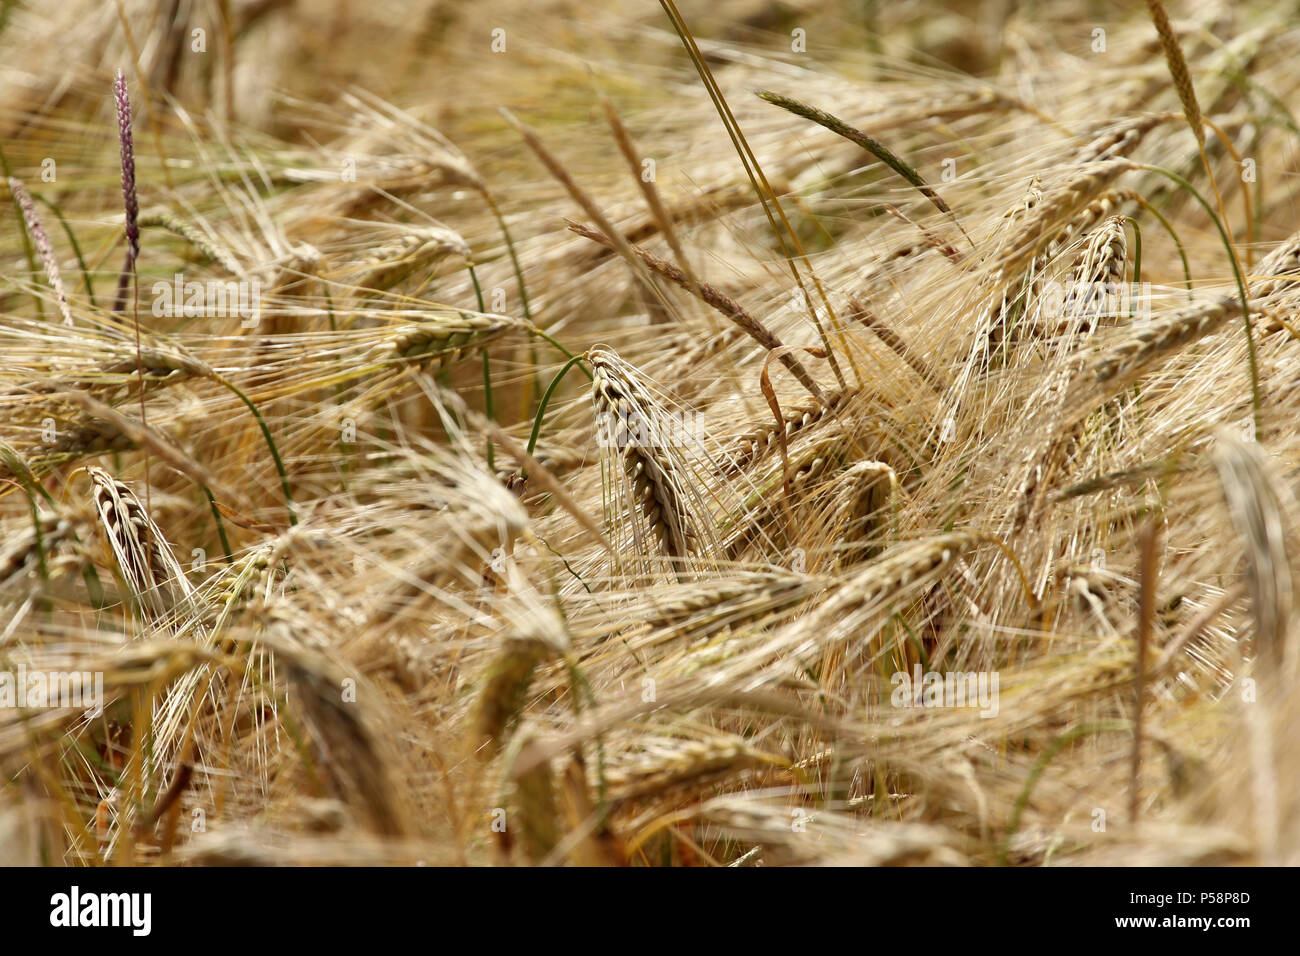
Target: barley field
{"x":685,"y":434}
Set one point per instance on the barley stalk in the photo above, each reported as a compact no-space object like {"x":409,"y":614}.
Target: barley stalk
{"x":754,"y":444}
{"x":1097,"y":275}
{"x":163,"y":218}
{"x":1177,"y":68}
{"x":396,"y":253}
{"x":666,"y":765}
{"x":872,"y":146}
{"x":897,"y":345}
{"x":862,"y":492}
{"x":724,"y":304}
{"x":1279,"y":270}
{"x":1161,"y":337}
{"x":1103,"y":207}
{"x":1062,"y":203}
{"x":659,"y":213}
{"x":448,"y":335}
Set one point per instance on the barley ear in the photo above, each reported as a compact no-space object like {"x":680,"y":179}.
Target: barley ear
{"x":154,"y":578}
{"x":503,"y":695}
{"x":629,"y":426}
{"x":1257,"y":514}
{"x":1178,"y":69}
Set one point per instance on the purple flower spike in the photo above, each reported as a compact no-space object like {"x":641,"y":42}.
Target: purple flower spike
{"x":36,"y":229}
{"x":128,"y":185}
{"x":128,"y":165}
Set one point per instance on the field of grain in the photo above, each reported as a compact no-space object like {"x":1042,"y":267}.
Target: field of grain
{"x":713,"y":434}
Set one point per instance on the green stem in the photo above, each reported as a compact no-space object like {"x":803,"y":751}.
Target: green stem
{"x":585,"y":371}
{"x":1241,"y":289}
{"x":519,"y":273}
{"x":270,"y":443}
{"x":1178,"y":244}
{"x":221,"y":525}
{"x":36,"y":530}
{"x":546,"y":398}
{"x":566,"y":564}
{"x":1137,"y":285}
{"x":1137,"y":250}
{"x":1056,"y":746}
{"x":510,"y":248}
{"x":487,"y":371}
